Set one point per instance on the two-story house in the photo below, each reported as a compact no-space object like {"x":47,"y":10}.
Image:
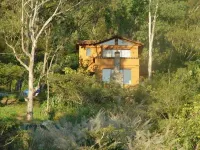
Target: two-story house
{"x":99,"y":58}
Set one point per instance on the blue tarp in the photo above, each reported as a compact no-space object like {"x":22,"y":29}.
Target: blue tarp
{"x":25,"y":92}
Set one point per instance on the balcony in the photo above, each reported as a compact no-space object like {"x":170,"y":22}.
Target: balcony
{"x":108,"y":62}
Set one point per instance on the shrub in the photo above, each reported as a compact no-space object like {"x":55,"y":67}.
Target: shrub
{"x":104,"y":131}
{"x":12,"y":137}
{"x":79,"y":88}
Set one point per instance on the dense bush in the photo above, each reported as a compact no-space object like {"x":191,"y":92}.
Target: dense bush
{"x":104,"y":131}
{"x":11,"y":136}
{"x":80,"y":88}
{"x":170,"y":93}
{"x":175,"y":103}
{"x":10,"y":74}
{"x":161,"y":114}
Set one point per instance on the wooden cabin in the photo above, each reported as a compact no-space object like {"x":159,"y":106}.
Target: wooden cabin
{"x":99,"y":58}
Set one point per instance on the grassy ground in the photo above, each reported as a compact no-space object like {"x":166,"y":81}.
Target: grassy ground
{"x":18,"y":112}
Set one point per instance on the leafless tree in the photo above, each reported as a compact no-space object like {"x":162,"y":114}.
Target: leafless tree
{"x":30,"y":34}
{"x":152,"y":23}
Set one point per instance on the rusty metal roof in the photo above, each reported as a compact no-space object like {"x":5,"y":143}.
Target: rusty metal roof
{"x":119,"y":37}
{"x":96,"y":42}
{"x":87,"y":42}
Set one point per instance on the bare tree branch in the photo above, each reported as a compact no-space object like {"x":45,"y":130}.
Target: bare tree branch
{"x":54,"y":14}
{"x":24,"y":6}
{"x":52,"y":59}
{"x":154,"y":23}
{"x":11,"y":140}
{"x":22,"y":32}
{"x":16,"y":55}
{"x":29,"y":36}
{"x":48,"y":21}
{"x":42,"y":3}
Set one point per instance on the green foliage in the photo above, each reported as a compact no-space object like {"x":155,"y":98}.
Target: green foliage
{"x":174,"y":104}
{"x":71,"y":61}
{"x":10,"y":70}
{"x":12,"y":137}
{"x":10,"y":13}
{"x":80,"y":88}
{"x":170,"y":102}
{"x":188,"y":125}
{"x":18,"y":111}
{"x":177,"y":91}
{"x":104,"y":131}
{"x":10,"y":74}
{"x":168,"y":6}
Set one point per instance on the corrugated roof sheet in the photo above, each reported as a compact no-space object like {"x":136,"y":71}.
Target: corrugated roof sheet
{"x":95,"y":42}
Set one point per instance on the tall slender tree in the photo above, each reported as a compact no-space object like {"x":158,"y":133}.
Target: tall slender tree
{"x":32,"y":28}
{"x":152,"y":23}
{"x":30,"y":34}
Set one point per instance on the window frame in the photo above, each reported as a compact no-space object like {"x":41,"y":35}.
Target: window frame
{"x":111,"y":53}
{"x":88,"y":51}
{"x":122,"y":71}
{"x":110,"y":72}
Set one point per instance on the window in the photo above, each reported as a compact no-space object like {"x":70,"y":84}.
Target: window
{"x":120,"y":42}
{"x":124,"y":42}
{"x":111,"y":53}
{"x":125,"y":53}
{"x":126,"y":76}
{"x":110,"y":42}
{"x":88,"y":52}
{"x":106,"y":74}
{"x":107,"y":53}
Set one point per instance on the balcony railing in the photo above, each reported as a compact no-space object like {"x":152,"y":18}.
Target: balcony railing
{"x":106,"y":62}
{"x":101,"y":57}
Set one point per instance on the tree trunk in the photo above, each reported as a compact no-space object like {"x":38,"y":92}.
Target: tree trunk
{"x":150,"y":46}
{"x":30,"y":34}
{"x":48,"y":92}
{"x":150,"y":63}
{"x":31,"y":91}
{"x":11,"y":85}
{"x":151,"y":36}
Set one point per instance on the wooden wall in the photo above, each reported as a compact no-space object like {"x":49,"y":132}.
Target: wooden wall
{"x":96,"y":62}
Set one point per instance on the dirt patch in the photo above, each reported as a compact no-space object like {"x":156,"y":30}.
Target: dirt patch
{"x":7,"y":101}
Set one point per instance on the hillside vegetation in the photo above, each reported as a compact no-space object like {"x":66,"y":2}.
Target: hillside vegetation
{"x":74,"y":110}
